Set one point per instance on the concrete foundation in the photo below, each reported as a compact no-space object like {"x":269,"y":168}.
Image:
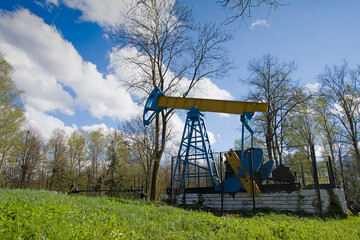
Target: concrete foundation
{"x":303,"y":201}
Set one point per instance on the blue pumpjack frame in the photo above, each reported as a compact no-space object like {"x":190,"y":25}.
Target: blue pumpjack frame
{"x":195,"y":161}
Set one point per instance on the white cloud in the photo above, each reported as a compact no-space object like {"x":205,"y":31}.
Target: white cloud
{"x":103,"y":97}
{"x":176,"y":124}
{"x":209,"y":90}
{"x":95,"y":127}
{"x":259,"y":22}
{"x":54,"y":76}
{"x":312,"y":87}
{"x":45,"y":124}
{"x":124,"y":71}
{"x":22,"y":40}
{"x":211,"y":137}
{"x":104,"y":12}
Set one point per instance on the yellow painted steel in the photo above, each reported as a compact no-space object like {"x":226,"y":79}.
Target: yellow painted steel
{"x":212,"y":105}
{"x":235,"y":164}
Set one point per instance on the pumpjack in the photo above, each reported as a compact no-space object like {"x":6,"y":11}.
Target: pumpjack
{"x":195,"y":162}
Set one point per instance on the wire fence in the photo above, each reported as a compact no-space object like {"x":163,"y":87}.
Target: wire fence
{"x":129,"y":193}
{"x":287,"y":177}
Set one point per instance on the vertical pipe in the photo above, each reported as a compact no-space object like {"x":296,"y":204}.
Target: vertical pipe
{"x":196,"y":168}
{"x":242,"y":138}
{"x":252,"y":139}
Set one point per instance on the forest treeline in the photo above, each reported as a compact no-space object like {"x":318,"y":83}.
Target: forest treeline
{"x":93,"y":159}
{"x":297,"y":118}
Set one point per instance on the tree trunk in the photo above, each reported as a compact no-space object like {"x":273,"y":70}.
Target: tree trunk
{"x":277,"y":150}
{"x":157,"y":157}
{"x":79,"y":172}
{"x":23,"y":174}
{"x":153,"y":190}
{"x":357,"y":158}
{"x":268,"y":139}
{"x":342,"y":174}
{"x":159,"y":150}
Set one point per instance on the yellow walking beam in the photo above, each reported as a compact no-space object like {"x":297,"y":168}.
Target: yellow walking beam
{"x":211,"y":105}
{"x":157,"y":102}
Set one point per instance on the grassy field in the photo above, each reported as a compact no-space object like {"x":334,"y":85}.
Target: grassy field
{"x":26,"y":214}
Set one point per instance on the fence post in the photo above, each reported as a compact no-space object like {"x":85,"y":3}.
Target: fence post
{"x":222,"y":186}
{"x":316,"y":179}
{"x":183,"y":184}
{"x":172,"y":181}
{"x":252,"y":180}
{"x":303,"y":175}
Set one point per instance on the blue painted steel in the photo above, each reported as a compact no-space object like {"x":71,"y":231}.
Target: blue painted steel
{"x":257,"y":157}
{"x":233,"y":184}
{"x":251,"y":160}
{"x":150,"y":109}
{"x":195,"y":161}
{"x":266,"y":170}
{"x":245,"y":120}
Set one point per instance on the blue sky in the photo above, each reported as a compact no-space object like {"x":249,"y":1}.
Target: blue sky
{"x":62,"y":57}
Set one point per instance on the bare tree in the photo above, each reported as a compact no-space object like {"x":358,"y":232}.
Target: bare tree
{"x":57,"y":150}
{"x":243,"y":8}
{"x":29,"y":156}
{"x":274,"y":85}
{"x":339,"y":87}
{"x":117,"y":175}
{"x":96,"y":153}
{"x":77,"y":152}
{"x":301,"y":133}
{"x":141,"y":142}
{"x":326,"y":124}
{"x":171,"y":53}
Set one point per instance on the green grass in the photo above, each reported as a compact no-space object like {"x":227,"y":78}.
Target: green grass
{"x":26,"y":214}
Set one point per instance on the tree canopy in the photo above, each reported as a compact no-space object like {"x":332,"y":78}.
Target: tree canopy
{"x":11,"y":110}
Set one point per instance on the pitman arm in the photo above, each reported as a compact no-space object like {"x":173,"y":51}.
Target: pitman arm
{"x":241,"y":173}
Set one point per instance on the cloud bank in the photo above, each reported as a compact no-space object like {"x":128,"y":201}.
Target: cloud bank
{"x":54,"y":76}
